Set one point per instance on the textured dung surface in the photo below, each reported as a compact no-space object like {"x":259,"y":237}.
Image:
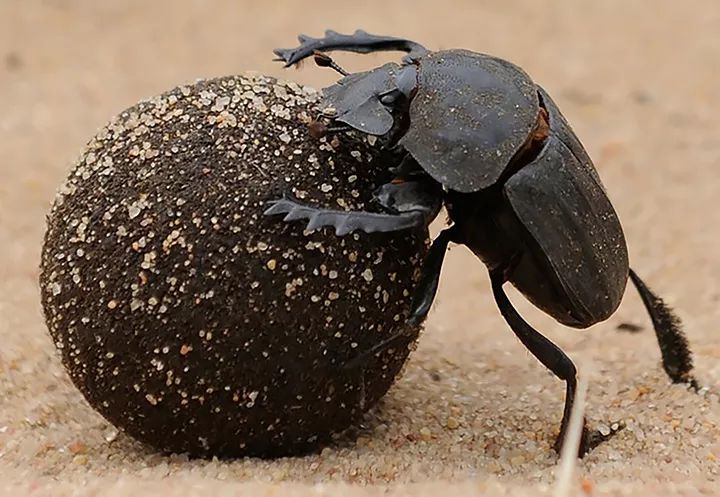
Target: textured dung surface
{"x":188,"y":318}
{"x":473,"y":413}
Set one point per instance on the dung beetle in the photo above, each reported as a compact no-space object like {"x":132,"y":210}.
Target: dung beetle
{"x":485,"y":141}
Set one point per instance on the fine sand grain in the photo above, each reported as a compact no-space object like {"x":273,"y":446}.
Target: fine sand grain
{"x":474,"y":413}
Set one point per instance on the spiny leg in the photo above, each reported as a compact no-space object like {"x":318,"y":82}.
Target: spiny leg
{"x":408,"y":204}
{"x":359,"y":42}
{"x":413,"y":203}
{"x":551,"y":357}
{"x":344,"y":222}
{"x":676,"y":356}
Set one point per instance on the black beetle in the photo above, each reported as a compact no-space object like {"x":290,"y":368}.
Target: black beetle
{"x":490,"y":145}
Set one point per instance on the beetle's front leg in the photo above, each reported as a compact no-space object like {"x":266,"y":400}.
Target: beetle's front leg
{"x":359,"y":42}
{"x":409,"y":204}
{"x":344,"y":222}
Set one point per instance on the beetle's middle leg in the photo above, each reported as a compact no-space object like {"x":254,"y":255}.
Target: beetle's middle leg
{"x":423,"y":297}
{"x":551,"y":357}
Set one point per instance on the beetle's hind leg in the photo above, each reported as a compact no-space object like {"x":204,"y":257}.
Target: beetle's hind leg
{"x":676,"y":356}
{"x":552,"y":358}
{"x":359,"y":42}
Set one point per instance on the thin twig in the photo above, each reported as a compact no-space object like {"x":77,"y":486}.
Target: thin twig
{"x":571,"y":445}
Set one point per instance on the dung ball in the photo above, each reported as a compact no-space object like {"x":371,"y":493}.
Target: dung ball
{"x":193,"y":322}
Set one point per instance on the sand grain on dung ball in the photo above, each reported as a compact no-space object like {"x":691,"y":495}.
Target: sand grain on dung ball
{"x":196,"y":323}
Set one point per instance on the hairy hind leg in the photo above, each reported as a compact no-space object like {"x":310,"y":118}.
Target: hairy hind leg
{"x":676,"y":356}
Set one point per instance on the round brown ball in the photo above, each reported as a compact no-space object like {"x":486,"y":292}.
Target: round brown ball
{"x":193,"y":322}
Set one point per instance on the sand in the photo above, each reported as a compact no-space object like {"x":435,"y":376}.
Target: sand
{"x":474,"y":412}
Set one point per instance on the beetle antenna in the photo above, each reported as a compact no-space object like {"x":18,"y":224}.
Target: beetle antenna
{"x":676,"y":356}
{"x":339,"y":129}
{"x":319,"y":129}
{"x":324,"y":60}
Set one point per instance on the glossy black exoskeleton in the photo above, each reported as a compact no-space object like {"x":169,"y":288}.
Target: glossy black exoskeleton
{"x":490,"y":145}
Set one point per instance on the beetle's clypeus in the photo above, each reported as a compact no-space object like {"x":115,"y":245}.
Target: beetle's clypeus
{"x":487,"y":142}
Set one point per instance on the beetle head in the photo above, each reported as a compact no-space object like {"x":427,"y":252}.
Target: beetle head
{"x":367,"y":100}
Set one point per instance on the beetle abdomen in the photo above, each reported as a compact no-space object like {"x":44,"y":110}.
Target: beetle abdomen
{"x":471,"y":114}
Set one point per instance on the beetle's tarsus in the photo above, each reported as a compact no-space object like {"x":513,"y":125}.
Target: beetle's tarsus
{"x":591,"y":439}
{"x":359,"y":42}
{"x":676,"y":356}
{"x":378,"y":348}
{"x":344,"y":222}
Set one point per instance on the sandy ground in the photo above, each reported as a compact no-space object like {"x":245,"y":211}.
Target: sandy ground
{"x":474,"y":413}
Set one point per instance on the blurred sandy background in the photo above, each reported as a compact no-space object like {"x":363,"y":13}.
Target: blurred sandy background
{"x":474,"y":413}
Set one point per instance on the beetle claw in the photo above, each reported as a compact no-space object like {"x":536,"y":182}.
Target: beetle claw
{"x":279,"y":206}
{"x":314,"y":222}
{"x":592,"y":438}
{"x":342,"y":229}
{"x":293,"y":214}
{"x":285,"y":55}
